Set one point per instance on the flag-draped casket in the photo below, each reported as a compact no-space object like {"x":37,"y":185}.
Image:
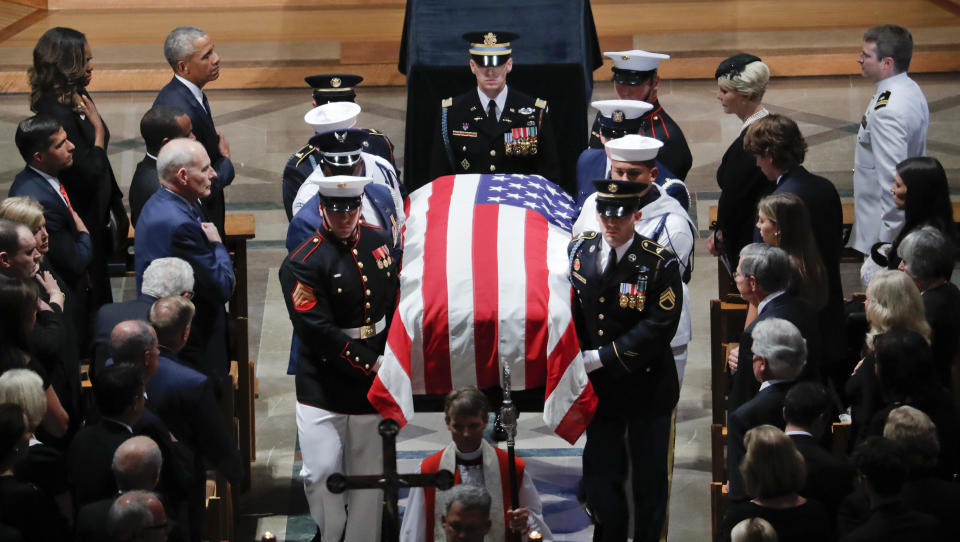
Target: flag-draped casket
{"x":484,"y":282}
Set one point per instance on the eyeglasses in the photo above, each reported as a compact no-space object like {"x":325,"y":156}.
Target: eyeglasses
{"x":738,"y":275}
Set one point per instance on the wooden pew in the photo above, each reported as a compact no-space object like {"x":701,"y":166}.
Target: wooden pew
{"x":726,"y":326}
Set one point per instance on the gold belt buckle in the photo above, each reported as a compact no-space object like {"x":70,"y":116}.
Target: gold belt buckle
{"x":367,"y":331}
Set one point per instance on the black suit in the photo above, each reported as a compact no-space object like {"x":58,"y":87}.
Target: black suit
{"x":829,"y":478}
{"x":110,"y":315}
{"x":176,"y":94}
{"x":942,"y":307}
{"x":145,"y":182}
{"x":792,"y":309}
{"x":895,"y":522}
{"x":765,"y":408}
{"x":472,"y":143}
{"x":925,"y":493}
{"x":742,"y":184}
{"x":826,"y":219}
{"x":89,"y":461}
{"x":637,"y":384}
{"x":91,"y":524}
{"x":93,"y":192}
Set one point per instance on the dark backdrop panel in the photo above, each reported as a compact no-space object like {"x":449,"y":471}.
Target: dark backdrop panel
{"x":554,"y":59}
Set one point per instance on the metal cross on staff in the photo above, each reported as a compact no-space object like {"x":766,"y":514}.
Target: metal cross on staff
{"x":390,"y":481}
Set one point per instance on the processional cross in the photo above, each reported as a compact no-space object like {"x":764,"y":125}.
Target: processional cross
{"x":390,"y":481}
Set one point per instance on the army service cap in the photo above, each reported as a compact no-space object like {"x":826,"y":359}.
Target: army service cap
{"x":340,"y":148}
{"x":634,"y":67}
{"x":620,"y":117}
{"x":339,"y":193}
{"x":490,"y":48}
{"x":618,"y":198}
{"x":332,"y":116}
{"x":333,"y":87}
{"x":633,"y":148}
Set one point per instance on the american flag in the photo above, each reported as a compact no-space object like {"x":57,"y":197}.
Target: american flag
{"x":484,"y":282}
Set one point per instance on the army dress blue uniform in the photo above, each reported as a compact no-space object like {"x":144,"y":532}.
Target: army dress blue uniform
{"x":630,"y":316}
{"x":521,"y":141}
{"x":340,"y":295}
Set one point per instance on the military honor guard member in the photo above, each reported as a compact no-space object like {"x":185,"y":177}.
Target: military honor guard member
{"x":329,"y":88}
{"x":663,"y":219}
{"x":619,"y":118}
{"x":493,"y":129}
{"x":635,"y":77}
{"x":893,"y":128}
{"x":340,"y":287}
{"x":627,"y":306}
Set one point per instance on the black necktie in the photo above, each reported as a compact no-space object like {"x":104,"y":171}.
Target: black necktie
{"x":206,"y":106}
{"x":611,"y":265}
{"x":492,"y":111}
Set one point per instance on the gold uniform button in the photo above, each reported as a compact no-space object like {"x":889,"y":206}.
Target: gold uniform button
{"x":388,"y":273}
{"x":493,"y":152}
{"x":600,"y":332}
{"x":348,"y":352}
{"x":601,"y":300}
{"x":368,"y":292}
{"x":366,"y":305}
{"x":366,"y":366}
{"x":649,"y":369}
{"x":355,"y":252}
{"x":656,"y":118}
{"x":493,"y":167}
{"x":364,"y":278}
{"x":599,"y":317}
{"x":339,"y":290}
{"x":464,"y":148}
{"x":367,"y":320}
{"x":357,"y":358}
{"x":360,"y":265}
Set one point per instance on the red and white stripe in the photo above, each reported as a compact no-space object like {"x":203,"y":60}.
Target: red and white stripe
{"x":482,"y":285}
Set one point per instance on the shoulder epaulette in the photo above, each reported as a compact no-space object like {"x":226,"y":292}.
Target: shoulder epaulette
{"x":304,"y":152}
{"x":653,"y":248}
{"x":373,"y":131}
{"x":540,"y":103}
{"x":883,"y":99}
{"x":586,"y":235}
{"x":446,"y":102}
{"x":311,"y":244}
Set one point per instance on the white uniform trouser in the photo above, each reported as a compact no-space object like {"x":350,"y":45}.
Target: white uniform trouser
{"x":350,"y":444}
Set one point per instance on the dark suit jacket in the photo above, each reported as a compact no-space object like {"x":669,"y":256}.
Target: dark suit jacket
{"x":796,"y":311}
{"x":895,"y":522}
{"x":169,"y":226}
{"x":184,"y":399}
{"x":826,"y":218}
{"x":93,"y":191}
{"x":145,"y":182}
{"x":829,"y":478}
{"x":92,"y":521}
{"x":89,"y":461}
{"x":942,"y":307}
{"x":70,"y":250}
{"x":742,"y":184}
{"x":765,"y":408}
{"x":111,"y":315}
{"x":176,"y":94}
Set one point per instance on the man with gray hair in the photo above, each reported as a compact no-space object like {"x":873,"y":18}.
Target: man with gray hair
{"x":189,"y":51}
{"x":171,"y":224}
{"x":763,"y":278}
{"x":467,"y":513}
{"x":137,"y":516}
{"x":779,"y":353}
{"x":927,"y":256}
{"x":893,"y":128}
{"x":163,"y":277}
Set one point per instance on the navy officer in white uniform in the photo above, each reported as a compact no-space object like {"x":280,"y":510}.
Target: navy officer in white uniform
{"x":893,"y":128}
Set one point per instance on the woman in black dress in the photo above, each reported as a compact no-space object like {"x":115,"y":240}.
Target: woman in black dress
{"x":59,"y":76}
{"x":741,"y":80}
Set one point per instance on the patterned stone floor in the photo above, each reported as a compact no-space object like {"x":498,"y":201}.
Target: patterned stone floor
{"x":265,"y":126}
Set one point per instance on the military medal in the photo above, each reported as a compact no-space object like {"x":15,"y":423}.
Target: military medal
{"x":382,"y":255}
{"x":625,"y":297}
{"x":642,"y":292}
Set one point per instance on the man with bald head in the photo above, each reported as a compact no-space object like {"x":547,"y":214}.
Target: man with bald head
{"x":137,"y":516}
{"x":171,"y":224}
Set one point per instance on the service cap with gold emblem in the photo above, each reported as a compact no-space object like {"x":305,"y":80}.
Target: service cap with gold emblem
{"x":340,"y":148}
{"x":491,"y":47}
{"x":333,"y":87}
{"x":634,"y":67}
{"x":340,"y":193}
{"x":620,"y":117}
{"x":617,"y":198}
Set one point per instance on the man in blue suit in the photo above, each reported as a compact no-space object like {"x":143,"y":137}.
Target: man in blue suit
{"x":44,"y":146}
{"x":171,"y":224}
{"x":189,"y":51}
{"x":616,"y":119}
{"x":158,"y":125}
{"x":185,"y":401}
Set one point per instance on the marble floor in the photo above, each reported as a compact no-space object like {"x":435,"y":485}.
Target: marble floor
{"x":265,"y":126}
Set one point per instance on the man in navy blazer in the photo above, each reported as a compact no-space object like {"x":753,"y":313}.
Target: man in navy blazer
{"x":762,"y":277}
{"x":778,"y":355}
{"x":43,"y":144}
{"x":189,"y":51}
{"x":780,"y":148}
{"x":158,"y":125}
{"x":171,"y":224}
